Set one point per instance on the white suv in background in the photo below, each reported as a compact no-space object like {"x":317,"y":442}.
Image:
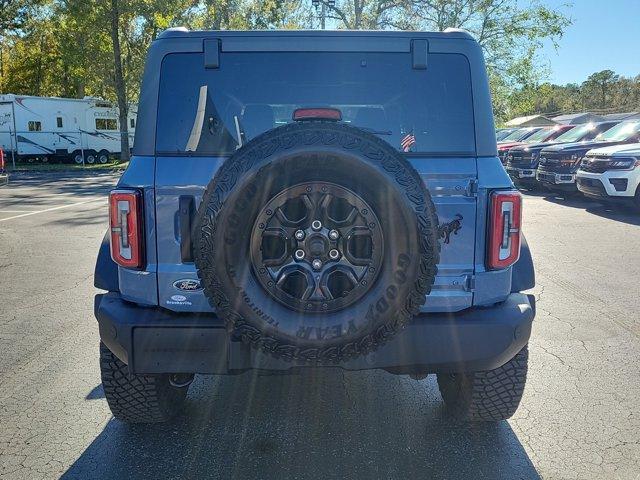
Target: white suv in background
{"x":611,"y":173}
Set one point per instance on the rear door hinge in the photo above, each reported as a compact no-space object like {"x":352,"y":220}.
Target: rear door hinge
{"x":472,"y":188}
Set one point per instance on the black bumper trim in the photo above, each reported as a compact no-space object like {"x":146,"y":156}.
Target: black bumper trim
{"x":155,"y":340}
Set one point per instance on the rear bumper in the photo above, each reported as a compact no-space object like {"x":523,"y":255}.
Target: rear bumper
{"x":154,"y":340}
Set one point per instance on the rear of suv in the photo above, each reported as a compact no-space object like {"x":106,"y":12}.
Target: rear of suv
{"x":612,"y":174}
{"x":304,"y":200}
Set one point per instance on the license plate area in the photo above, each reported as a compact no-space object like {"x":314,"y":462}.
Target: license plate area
{"x":178,"y":349}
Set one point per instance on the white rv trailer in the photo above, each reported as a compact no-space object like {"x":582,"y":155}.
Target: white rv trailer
{"x":51,"y":128}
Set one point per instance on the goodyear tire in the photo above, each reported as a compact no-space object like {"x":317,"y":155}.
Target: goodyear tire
{"x":316,"y":242}
{"x":488,"y":396}
{"x":138,"y":398}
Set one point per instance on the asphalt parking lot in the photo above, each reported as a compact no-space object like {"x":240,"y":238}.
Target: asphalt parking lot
{"x":580,"y":417}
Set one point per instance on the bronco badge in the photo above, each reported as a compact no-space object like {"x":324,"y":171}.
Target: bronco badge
{"x":453,"y":227}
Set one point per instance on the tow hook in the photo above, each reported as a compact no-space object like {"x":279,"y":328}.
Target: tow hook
{"x":181,"y":380}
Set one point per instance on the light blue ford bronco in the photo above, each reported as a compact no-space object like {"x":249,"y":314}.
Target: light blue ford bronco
{"x":300,"y":200}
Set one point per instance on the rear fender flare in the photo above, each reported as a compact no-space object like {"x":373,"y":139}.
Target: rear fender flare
{"x":106,"y":273}
{"x":523,"y":276}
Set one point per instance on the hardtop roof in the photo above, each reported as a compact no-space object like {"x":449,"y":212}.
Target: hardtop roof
{"x":182,"y":32}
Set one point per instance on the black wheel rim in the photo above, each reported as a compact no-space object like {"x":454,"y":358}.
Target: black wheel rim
{"x":317,"y":247}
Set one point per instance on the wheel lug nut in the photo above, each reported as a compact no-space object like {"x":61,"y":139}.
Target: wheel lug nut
{"x":316,"y":225}
{"x":333,"y":234}
{"x":299,"y":235}
{"x":334,"y":254}
{"x":299,"y":254}
{"x":316,"y":264}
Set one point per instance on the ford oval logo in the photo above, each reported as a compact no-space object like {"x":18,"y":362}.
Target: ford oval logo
{"x":187,"y":285}
{"x":178,"y":298}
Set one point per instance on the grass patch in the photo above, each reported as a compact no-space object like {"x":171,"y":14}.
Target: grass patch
{"x":65,"y":167}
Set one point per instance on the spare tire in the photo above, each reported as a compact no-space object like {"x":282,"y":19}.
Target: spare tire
{"x":316,"y":242}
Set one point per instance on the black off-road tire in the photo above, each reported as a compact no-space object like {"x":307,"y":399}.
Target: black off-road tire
{"x":319,"y":152}
{"x":138,"y":398}
{"x":636,"y":200}
{"x":488,"y":396}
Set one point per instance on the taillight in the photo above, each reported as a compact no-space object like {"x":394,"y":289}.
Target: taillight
{"x":1,"y":160}
{"x":126,"y":222}
{"x":504,"y":232}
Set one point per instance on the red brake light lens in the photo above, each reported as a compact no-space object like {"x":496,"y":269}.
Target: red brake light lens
{"x":126,"y":222}
{"x":317,"y":114}
{"x":505,"y":229}
{"x":1,"y":159}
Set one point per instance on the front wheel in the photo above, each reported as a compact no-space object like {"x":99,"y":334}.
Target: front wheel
{"x":487,"y":396}
{"x":139,"y":398}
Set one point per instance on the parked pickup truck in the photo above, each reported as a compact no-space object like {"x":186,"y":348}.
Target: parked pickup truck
{"x":522,"y":160}
{"x":559,"y":163}
{"x":612,"y":174}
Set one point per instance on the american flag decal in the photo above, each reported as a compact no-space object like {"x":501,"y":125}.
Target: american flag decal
{"x":407,"y":142}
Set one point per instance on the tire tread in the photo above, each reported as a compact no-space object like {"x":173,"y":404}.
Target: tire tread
{"x":137,"y":398}
{"x":491,"y":395}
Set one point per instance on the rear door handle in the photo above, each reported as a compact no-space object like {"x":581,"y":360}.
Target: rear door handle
{"x":186,"y":214}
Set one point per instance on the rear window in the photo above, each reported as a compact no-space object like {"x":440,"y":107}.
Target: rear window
{"x":212,"y":111}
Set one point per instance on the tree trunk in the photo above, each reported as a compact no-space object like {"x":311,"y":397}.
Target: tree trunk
{"x":121,"y":91}
{"x":357,"y":13}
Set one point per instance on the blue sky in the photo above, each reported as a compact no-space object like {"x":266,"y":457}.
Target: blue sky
{"x":605,"y":34}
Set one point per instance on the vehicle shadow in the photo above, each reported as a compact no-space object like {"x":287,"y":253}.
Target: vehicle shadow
{"x":322,"y":424}
{"x":572,"y":200}
{"x":615,"y":212}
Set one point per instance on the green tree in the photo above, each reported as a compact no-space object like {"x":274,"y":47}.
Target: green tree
{"x":599,"y":85}
{"x":509,"y":31}
{"x":366,"y":14}
{"x":14,"y":14}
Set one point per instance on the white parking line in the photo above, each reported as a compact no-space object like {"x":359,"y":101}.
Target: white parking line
{"x":15,"y":211}
{"x":53,"y":208}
